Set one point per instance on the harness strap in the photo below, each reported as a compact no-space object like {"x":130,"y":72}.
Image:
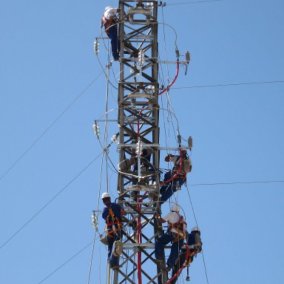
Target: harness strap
{"x":113,"y":223}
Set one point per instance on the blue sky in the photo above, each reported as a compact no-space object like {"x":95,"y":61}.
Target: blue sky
{"x":232,"y":106}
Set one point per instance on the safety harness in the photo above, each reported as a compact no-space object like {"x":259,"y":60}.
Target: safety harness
{"x":108,"y":23}
{"x":113,"y":223}
{"x":179,"y":233}
{"x":181,"y":167}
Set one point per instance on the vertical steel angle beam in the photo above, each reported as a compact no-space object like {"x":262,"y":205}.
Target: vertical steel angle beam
{"x":138,"y":119}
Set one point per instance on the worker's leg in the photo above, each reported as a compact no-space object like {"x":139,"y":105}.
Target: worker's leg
{"x":178,"y":264}
{"x":110,"y":240}
{"x":160,"y":245}
{"x":180,"y":182}
{"x":175,"y":249}
{"x":114,"y":42}
{"x":114,"y":259}
{"x":166,"y":182}
{"x":167,"y":191}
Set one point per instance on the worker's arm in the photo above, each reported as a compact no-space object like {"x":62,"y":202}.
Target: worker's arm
{"x":105,"y":213}
{"x":171,"y":158}
{"x":160,"y":218}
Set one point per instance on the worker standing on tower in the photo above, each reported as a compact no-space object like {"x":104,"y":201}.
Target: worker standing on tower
{"x":175,"y":234}
{"x":112,"y":214}
{"x":110,"y":22}
{"x":176,"y":177}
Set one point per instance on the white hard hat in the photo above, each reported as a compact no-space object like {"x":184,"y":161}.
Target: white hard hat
{"x":105,"y":195}
{"x":108,"y":8}
{"x":195,"y":229}
{"x":175,"y":208}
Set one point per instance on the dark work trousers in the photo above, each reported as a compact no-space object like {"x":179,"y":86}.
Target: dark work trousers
{"x":114,"y":261}
{"x":175,"y":249}
{"x":169,"y":188}
{"x":115,"y":44}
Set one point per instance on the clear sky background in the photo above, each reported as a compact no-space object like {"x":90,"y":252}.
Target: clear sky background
{"x":52,"y":88}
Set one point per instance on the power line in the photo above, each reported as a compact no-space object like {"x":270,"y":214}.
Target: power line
{"x":29,"y":148}
{"x":192,"y":2}
{"x":231,"y":84}
{"x":195,"y":218}
{"x":39,"y":211}
{"x":66,"y":262}
{"x":238,"y":182}
{"x":92,"y":243}
{"x":92,"y":258}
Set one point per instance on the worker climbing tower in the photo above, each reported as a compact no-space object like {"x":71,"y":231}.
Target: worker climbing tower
{"x":138,"y":118}
{"x":138,"y":142}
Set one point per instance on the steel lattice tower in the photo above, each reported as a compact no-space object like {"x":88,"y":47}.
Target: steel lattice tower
{"x":138,"y":119}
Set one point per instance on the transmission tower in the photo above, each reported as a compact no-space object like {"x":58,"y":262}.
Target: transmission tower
{"x":138,"y":119}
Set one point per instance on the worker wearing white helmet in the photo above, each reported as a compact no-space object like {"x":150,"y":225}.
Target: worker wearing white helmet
{"x":112,"y":214}
{"x":105,"y":195}
{"x":110,"y":22}
{"x":175,"y":234}
{"x":110,"y":12}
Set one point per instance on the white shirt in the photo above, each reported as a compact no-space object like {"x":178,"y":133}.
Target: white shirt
{"x":109,"y":13}
{"x":172,"y":218}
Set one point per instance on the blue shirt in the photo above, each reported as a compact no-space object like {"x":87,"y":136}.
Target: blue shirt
{"x":116,"y":208}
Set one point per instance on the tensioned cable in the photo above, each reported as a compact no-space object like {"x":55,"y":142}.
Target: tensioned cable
{"x":66,"y":262}
{"x":39,"y":211}
{"x":195,"y":218}
{"x":230,"y":84}
{"x":106,"y":120}
{"x":167,"y":67}
{"x":100,"y":181}
{"x":169,"y":104}
{"x":238,"y":182}
{"x":107,"y":50}
{"x":29,"y":148}
{"x":92,"y":257}
{"x":101,"y":65}
{"x":192,"y":2}
{"x":106,"y":158}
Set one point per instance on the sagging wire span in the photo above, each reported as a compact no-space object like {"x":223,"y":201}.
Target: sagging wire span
{"x":173,"y":81}
{"x":96,"y":129}
{"x":178,"y":62}
{"x":174,"y":30}
{"x":169,"y":106}
{"x":108,"y":66}
{"x":114,"y":139}
{"x":107,"y":50}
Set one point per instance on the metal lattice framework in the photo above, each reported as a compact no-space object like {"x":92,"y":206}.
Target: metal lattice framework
{"x":138,"y":118}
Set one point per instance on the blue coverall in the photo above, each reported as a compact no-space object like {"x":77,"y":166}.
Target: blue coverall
{"x":116,"y":208}
{"x":175,"y":249}
{"x":115,"y":45}
{"x":168,"y":189}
